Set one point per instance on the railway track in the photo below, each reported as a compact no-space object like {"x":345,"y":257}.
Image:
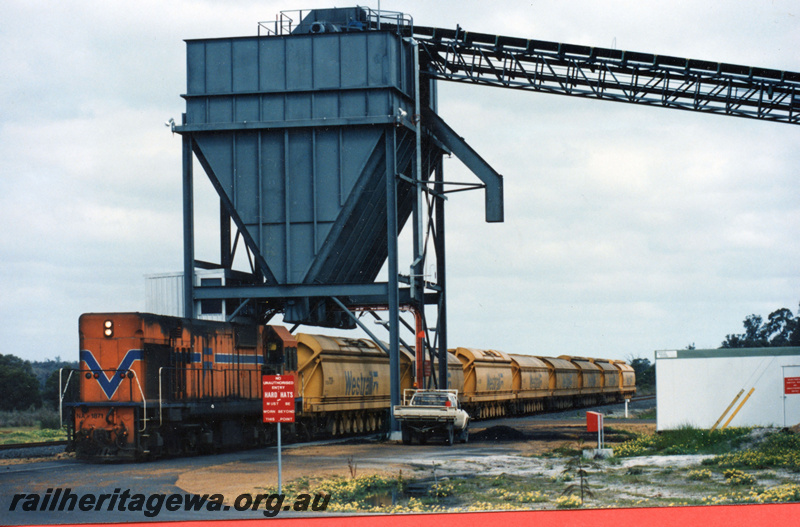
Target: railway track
{"x":12,"y":446}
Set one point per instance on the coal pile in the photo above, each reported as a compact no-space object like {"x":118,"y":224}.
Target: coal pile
{"x":498,"y":433}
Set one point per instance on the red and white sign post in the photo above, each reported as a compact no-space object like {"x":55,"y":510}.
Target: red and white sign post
{"x":278,"y":404}
{"x":594,"y":423}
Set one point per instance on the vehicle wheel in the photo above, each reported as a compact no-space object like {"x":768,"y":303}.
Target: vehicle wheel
{"x":450,"y":435}
{"x":406,"y":433}
{"x":465,"y":435}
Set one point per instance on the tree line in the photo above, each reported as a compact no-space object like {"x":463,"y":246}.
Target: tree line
{"x":29,"y":384}
{"x":780,"y":329}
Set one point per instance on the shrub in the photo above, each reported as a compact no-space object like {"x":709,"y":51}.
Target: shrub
{"x":441,"y":489}
{"x":32,"y":417}
{"x":685,"y":440}
{"x":50,"y":421}
{"x":20,"y":386}
{"x":778,"y":450}
{"x":702,"y":474}
{"x":568,"y":502}
{"x":736,"y":477}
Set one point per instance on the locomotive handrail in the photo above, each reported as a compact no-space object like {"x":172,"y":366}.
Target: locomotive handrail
{"x":61,"y":395}
{"x":144,"y":401}
{"x":160,"y":399}
{"x":131,"y":372}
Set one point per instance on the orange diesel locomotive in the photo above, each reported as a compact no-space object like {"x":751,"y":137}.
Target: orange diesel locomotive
{"x":151,"y":385}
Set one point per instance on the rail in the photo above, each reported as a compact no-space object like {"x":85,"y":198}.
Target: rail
{"x":13,"y":446}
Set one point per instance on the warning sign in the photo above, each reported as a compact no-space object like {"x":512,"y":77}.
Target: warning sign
{"x":278,"y":398}
{"x":791,"y":385}
{"x":594,"y":421}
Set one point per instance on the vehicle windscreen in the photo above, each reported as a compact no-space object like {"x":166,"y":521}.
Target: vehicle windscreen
{"x":431,"y":399}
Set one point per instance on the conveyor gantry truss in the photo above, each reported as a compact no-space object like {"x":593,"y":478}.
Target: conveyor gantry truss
{"x":610,"y":74}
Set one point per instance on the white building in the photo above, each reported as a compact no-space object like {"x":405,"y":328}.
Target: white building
{"x":745,"y":387}
{"x":164,"y":294}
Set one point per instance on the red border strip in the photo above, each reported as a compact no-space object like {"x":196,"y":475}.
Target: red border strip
{"x":707,"y":515}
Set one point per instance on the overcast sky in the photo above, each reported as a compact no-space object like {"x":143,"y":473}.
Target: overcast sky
{"x":628,"y":229}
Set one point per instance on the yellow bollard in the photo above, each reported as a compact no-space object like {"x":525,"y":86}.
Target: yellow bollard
{"x":738,"y":408}
{"x":728,"y":409}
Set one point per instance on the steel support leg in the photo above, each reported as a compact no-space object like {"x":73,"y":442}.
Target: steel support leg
{"x":393,"y":293}
{"x":188,"y":229}
{"x":441,"y":326}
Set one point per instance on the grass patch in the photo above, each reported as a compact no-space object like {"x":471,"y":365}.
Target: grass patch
{"x":30,"y":426}
{"x":650,"y":413}
{"x":613,"y":434}
{"x":10,"y":435}
{"x":785,"y":493}
{"x":684,"y":440}
{"x":780,"y":450}
{"x":699,"y":475}
{"x":565,"y":450}
{"x":357,"y":494}
{"x":387,"y":494}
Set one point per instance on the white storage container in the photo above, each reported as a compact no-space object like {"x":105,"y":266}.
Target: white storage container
{"x":698,"y":387}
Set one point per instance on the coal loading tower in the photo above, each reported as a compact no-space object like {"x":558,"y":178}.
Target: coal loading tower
{"x":322,"y":140}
